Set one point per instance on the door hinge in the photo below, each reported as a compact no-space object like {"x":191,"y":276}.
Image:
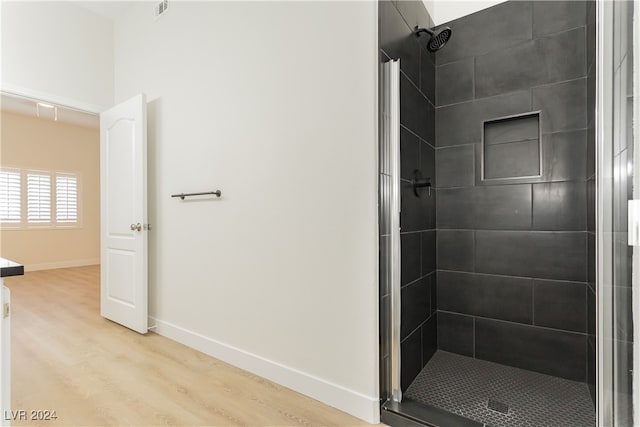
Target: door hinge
{"x":5,"y":310}
{"x":633,"y":224}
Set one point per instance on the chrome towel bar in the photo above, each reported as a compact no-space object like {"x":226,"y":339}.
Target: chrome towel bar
{"x":217,"y":193}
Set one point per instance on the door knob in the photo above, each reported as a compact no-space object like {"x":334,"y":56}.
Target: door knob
{"x":136,"y":227}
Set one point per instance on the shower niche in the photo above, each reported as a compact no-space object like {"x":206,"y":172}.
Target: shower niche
{"x":511,"y":149}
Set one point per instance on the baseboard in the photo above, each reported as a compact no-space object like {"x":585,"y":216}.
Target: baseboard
{"x":354,"y":403}
{"x":62,"y":264}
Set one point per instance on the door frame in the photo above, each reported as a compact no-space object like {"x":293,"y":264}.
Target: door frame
{"x":52,"y":99}
{"x":68,"y":103}
{"x":635,"y":277}
{"x":605,"y":314}
{"x":604,"y":209}
{"x":80,"y":106}
{"x":389,"y":218}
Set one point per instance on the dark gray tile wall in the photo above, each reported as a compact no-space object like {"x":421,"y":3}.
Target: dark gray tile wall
{"x":495,"y":71}
{"x":560,"y":150}
{"x":455,"y":333}
{"x":486,"y":207}
{"x":534,"y":348}
{"x":548,"y":255}
{"x":418,"y":214}
{"x":455,"y":250}
{"x":454,"y":82}
{"x":564,"y":105}
{"x":560,"y":305}
{"x":456,"y":166}
{"x":554,"y":206}
{"x":461,"y":123}
{"x":515,"y":259}
{"x":558,"y":16}
{"x":486,"y":295}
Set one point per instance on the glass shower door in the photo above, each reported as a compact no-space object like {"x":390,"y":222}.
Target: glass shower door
{"x":618,"y":221}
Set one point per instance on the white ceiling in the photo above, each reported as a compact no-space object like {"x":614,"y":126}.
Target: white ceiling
{"x":109,"y":9}
{"x":443,"y":11}
{"x":28,"y":107}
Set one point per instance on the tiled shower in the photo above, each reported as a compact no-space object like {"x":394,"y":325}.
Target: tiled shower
{"x":513,"y":252}
{"x":498,"y":255}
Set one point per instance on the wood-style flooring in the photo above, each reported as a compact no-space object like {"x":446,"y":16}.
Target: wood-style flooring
{"x":67,"y":358}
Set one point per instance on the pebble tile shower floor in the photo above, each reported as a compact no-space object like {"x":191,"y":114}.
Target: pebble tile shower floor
{"x":464,"y":386}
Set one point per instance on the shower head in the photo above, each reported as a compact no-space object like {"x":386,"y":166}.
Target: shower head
{"x":439,"y":37}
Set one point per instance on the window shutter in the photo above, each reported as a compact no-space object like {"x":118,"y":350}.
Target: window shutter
{"x":10,"y":197}
{"x":66,"y":198}
{"x":38,"y":198}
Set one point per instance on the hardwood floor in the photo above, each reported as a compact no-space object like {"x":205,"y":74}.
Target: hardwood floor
{"x":67,"y":358}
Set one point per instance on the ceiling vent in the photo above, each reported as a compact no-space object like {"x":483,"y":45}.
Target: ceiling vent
{"x":161,"y":7}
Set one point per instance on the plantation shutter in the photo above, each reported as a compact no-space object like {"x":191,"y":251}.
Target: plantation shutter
{"x":38,"y":198}
{"x":66,"y":198}
{"x":10,"y":204}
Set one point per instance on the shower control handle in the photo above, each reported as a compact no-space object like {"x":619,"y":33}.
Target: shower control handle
{"x":419,"y":182}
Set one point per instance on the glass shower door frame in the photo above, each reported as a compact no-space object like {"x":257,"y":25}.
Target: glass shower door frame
{"x":604,"y":212}
{"x":390,"y":226}
{"x":612,"y":310}
{"x":636,"y":196}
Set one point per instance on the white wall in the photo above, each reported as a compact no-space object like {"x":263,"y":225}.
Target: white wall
{"x":431,"y":8}
{"x":275,"y":104}
{"x":57,"y":51}
{"x":443,"y":11}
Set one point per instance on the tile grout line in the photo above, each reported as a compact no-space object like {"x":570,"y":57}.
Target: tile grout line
{"x":531,"y":221}
{"x":473,"y":321}
{"x":416,"y":328}
{"x":511,"y":322}
{"x":498,"y":186}
{"x":513,"y":92}
{"x":417,"y":136}
{"x":420,"y":254}
{"x":475,"y":250}
{"x":531,"y":37}
{"x":547,"y":133}
{"x":417,"y":88}
{"x":569,"y":282}
{"x":473,"y":79}
{"x":533,"y":303}
{"x":414,"y":281}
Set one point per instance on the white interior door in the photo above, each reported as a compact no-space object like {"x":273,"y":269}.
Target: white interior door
{"x":123,"y":209}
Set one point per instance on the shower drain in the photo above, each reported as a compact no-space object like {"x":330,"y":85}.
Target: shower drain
{"x":497,"y":406}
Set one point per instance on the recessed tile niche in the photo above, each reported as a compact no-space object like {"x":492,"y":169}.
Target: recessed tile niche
{"x":511,"y":148}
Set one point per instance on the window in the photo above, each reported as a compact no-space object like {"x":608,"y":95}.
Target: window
{"x":38,"y":198}
{"x":66,"y":198}
{"x":10,"y":200}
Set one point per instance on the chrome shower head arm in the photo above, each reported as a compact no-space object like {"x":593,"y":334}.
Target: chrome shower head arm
{"x":417,"y":31}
